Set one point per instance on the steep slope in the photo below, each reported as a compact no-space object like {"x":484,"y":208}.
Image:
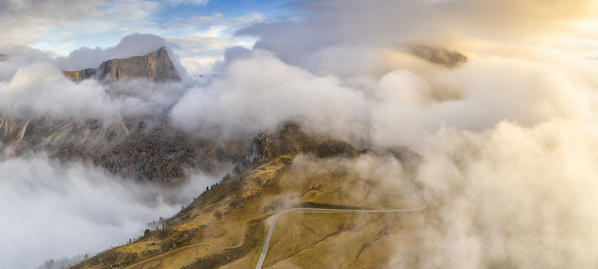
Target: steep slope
{"x":155,"y":66}
{"x":135,"y":148}
{"x":225,"y":227}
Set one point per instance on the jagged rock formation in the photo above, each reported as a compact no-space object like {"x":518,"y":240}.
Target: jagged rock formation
{"x":440,"y":56}
{"x":155,"y":66}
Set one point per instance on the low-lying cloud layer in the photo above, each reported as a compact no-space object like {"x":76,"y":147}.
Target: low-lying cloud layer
{"x":388,"y":23}
{"x":53,"y":210}
{"x":260,"y":92}
{"x":507,"y":138}
{"x":32,"y":85}
{"x":397,"y":108}
{"x":509,"y":197}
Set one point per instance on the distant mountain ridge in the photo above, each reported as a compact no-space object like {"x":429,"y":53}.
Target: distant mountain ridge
{"x":155,"y":66}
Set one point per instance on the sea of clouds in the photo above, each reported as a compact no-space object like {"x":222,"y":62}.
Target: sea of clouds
{"x":508,"y":139}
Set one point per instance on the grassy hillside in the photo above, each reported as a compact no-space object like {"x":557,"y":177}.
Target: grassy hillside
{"x":225,"y":227}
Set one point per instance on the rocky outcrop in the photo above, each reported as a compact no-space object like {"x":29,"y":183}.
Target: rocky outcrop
{"x":81,"y":74}
{"x":291,"y":140}
{"x":439,"y":56}
{"x":155,"y":66}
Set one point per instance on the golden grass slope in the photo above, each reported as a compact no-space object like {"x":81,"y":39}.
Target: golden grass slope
{"x":225,"y":227}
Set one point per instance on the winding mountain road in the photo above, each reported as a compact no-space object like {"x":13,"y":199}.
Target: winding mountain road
{"x":324,"y":210}
{"x":150,"y":259}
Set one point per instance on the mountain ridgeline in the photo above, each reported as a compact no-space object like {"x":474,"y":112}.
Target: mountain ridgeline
{"x":226,"y":226}
{"x":155,"y":66}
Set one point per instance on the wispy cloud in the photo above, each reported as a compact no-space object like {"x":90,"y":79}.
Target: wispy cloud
{"x":188,"y":2}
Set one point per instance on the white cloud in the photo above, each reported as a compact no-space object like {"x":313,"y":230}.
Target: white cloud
{"x":62,"y":27}
{"x":390,"y":24}
{"x":198,"y":54}
{"x":402,"y":107}
{"x":511,"y":196}
{"x":201,"y":49}
{"x":39,"y":89}
{"x":130,"y":45}
{"x":260,"y":92}
{"x":17,"y":57}
{"x":507,"y":138}
{"x":52,"y":210}
{"x":188,"y":2}
{"x":34,"y":16}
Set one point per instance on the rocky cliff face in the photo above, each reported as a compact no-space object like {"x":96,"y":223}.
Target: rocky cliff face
{"x":81,"y":74}
{"x":291,"y":140}
{"x":155,"y":66}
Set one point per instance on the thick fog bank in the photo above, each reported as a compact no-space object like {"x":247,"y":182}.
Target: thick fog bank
{"x":511,"y":196}
{"x":507,"y":137}
{"x":52,"y":210}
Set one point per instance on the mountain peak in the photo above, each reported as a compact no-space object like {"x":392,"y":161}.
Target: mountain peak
{"x":155,"y":66}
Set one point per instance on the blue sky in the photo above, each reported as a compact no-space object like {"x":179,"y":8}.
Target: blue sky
{"x":199,"y":30}
{"x":227,"y":7}
{"x":163,"y":17}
